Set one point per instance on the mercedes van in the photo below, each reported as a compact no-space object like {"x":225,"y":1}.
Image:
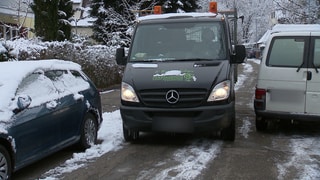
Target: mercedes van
{"x":288,"y":85}
{"x":180,"y":75}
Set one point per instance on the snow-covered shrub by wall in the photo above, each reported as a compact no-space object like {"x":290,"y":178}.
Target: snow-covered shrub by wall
{"x":97,"y":61}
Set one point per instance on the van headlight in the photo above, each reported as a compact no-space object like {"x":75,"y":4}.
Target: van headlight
{"x":220,"y":92}
{"x":128,"y":93}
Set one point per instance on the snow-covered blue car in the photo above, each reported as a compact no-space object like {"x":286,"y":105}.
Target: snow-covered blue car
{"x":45,"y":106}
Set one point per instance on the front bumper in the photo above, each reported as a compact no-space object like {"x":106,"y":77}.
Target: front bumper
{"x":185,"y":120}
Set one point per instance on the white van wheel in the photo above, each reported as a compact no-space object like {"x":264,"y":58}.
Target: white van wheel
{"x":261,"y":124}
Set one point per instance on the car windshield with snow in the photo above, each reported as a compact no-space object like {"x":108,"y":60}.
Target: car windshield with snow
{"x":44,"y":106}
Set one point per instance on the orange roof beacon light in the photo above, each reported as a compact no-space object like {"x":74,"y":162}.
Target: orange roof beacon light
{"x":157,"y":10}
{"x":213,"y":7}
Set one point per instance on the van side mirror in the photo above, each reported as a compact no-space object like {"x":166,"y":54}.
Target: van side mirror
{"x":240,"y":54}
{"x":120,"y":57}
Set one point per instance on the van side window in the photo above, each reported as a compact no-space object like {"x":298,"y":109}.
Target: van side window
{"x":316,"y":59}
{"x":286,"y":52}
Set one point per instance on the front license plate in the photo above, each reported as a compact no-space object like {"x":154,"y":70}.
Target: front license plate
{"x":173,"y":124}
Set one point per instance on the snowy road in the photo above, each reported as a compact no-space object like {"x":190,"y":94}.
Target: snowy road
{"x":282,"y":153}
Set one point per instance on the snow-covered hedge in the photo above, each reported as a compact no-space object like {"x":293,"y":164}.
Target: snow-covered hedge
{"x":97,"y":61}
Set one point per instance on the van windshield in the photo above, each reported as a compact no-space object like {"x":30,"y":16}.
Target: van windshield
{"x":179,"y":41}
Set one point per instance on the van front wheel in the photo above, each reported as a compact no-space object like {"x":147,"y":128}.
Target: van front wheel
{"x":130,"y":135}
{"x":229,"y":133}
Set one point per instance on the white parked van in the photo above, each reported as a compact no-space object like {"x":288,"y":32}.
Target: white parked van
{"x":288,"y":86}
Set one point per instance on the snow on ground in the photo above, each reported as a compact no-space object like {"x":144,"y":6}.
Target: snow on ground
{"x":247,"y":70}
{"x":245,"y":128}
{"x":192,"y":159}
{"x":111,"y":135}
{"x":304,"y":158}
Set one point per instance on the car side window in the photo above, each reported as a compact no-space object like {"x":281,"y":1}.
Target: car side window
{"x":39,"y":87}
{"x":286,"y":52}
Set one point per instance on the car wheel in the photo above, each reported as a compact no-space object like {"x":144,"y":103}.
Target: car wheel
{"x":229,"y":133}
{"x":261,"y":124}
{"x":130,"y":135}
{"x":5,"y":163}
{"x":89,"y":132}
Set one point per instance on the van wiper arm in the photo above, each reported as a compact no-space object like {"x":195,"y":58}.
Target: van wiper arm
{"x":300,"y":66}
{"x":315,"y":67}
{"x":196,"y":59}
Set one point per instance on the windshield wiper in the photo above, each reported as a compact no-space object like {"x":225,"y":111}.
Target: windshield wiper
{"x":315,"y":67}
{"x":300,"y":66}
{"x":194,"y":59}
{"x":147,"y":60}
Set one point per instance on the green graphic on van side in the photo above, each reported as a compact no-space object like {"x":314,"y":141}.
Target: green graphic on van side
{"x":174,"y":75}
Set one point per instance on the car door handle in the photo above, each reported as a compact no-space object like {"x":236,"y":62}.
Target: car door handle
{"x":309,"y":75}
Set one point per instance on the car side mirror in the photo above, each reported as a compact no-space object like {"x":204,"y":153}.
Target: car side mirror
{"x":23,"y":102}
{"x":240,"y":54}
{"x":120,"y":56}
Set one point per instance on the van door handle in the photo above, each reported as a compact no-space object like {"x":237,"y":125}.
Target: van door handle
{"x":309,"y":75}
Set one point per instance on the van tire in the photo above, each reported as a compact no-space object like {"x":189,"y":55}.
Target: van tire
{"x":130,"y":135}
{"x":261,"y":124}
{"x":229,"y":133}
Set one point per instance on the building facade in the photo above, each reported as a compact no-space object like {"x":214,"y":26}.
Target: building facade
{"x":16,"y":19}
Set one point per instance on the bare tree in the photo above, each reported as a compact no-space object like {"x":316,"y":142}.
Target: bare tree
{"x":298,"y":11}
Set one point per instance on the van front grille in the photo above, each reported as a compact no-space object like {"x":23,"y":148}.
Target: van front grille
{"x":187,"y":98}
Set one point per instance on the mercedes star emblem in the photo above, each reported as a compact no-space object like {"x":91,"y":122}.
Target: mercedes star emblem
{"x":172,"y":96}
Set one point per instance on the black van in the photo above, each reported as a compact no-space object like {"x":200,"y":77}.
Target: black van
{"x":180,"y":75}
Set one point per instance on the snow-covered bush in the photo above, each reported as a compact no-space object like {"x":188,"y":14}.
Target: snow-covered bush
{"x":97,"y":61}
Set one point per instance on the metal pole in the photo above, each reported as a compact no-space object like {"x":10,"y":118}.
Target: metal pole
{"x":235,"y":22}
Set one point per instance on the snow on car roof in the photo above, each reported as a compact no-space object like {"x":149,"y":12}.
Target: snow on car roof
{"x":170,"y":15}
{"x":13,"y":72}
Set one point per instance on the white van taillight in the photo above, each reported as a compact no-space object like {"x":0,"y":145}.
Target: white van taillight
{"x":260,"y":93}
{"x":260,"y":99}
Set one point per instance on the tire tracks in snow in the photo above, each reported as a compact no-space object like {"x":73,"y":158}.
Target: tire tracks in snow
{"x":190,"y":161}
